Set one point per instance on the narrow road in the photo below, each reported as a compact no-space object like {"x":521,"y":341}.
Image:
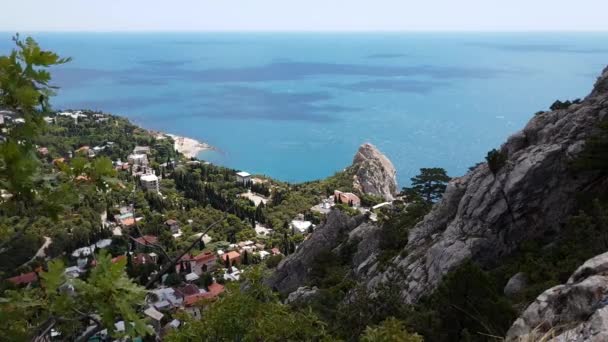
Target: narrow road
{"x":41,"y":253}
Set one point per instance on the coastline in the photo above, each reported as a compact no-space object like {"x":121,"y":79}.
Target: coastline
{"x":187,"y":146}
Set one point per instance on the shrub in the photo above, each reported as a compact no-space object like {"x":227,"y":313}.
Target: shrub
{"x":274,"y":260}
{"x":496,"y":160}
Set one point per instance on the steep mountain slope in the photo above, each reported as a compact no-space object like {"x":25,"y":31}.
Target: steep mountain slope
{"x":484,"y":216}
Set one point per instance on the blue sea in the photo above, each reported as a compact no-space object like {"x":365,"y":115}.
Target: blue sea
{"x":296,"y":106}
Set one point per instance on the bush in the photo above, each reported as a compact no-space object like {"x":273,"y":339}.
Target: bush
{"x":274,"y":260}
{"x":496,"y":160}
{"x":557,"y":105}
{"x":465,"y":306}
{"x":391,"y":330}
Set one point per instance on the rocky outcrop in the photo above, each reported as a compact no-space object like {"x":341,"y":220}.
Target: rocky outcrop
{"x":302,"y":295}
{"x":516,"y":284}
{"x":374,"y":173}
{"x":293,"y":271}
{"x":575,"y":311}
{"x":484,"y":216}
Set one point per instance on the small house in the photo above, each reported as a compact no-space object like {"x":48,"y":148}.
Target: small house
{"x":347,"y":198}
{"x":204,"y":262}
{"x":243,"y":178}
{"x":233,"y":257}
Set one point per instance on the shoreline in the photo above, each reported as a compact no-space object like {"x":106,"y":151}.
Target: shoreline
{"x":189,"y":147}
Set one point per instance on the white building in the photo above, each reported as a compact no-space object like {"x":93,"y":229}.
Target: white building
{"x":141,"y":150}
{"x":243,"y":177}
{"x":138,"y":159}
{"x":75,"y":115}
{"x":150,"y":182}
{"x":261,"y":230}
{"x":300,"y":226}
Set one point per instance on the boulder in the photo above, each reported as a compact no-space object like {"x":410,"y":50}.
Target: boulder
{"x":575,"y":311}
{"x":516,"y":284}
{"x":374,"y":174}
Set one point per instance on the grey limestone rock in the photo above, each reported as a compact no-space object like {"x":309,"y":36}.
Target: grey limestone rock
{"x":374,"y":173}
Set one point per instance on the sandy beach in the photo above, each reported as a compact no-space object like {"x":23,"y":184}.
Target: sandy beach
{"x":188,"y":146}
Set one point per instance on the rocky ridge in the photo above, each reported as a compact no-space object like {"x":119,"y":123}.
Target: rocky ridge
{"x":485,"y":216}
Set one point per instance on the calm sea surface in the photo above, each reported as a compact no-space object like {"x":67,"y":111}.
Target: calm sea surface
{"x":297,"y":106}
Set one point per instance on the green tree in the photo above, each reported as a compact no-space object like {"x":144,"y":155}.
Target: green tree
{"x":429,"y":184}
{"x":66,"y":304}
{"x":251,"y":314}
{"x":496,"y":160}
{"x":106,"y":295}
{"x":25,"y":89}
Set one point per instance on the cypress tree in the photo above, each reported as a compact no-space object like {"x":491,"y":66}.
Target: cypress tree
{"x":245,"y":258}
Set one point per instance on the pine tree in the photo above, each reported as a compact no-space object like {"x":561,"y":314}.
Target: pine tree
{"x":227,"y":262}
{"x":429,"y":184}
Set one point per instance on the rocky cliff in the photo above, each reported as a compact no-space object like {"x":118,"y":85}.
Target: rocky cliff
{"x":575,"y":311}
{"x":374,"y":173}
{"x":293,"y":271}
{"x":484,"y":216}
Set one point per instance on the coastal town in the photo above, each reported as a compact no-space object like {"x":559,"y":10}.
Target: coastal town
{"x":199,"y":274}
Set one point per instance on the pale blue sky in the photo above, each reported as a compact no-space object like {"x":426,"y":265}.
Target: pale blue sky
{"x":303,"y":15}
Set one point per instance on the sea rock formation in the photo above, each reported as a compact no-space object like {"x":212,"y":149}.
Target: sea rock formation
{"x":374,"y":173}
{"x":575,"y":311}
{"x":293,"y":271}
{"x":484,"y":216}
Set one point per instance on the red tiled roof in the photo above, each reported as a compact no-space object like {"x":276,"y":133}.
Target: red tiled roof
{"x":346,"y":197}
{"x":232,"y":255}
{"x":129,"y":221}
{"x":146,"y":239}
{"x":26,"y":278}
{"x":114,"y":260}
{"x":215,"y":290}
{"x":83,"y":148}
{"x":204,"y":257}
{"x":190,"y":300}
